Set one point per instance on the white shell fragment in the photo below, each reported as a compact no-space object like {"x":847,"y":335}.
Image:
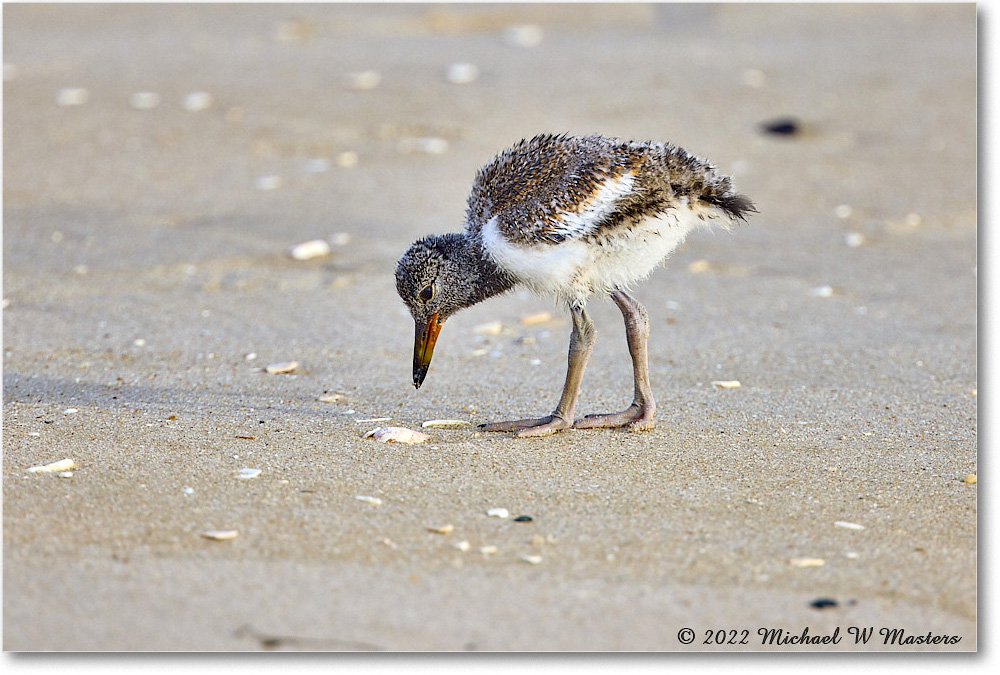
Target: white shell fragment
{"x":70,"y":411}
{"x":281,"y":367}
{"x":144,"y":100}
{"x":533,"y":319}
{"x":462,"y":73}
{"x":807,"y":562}
{"x":247,"y":474}
{"x":65,"y":474}
{"x":197,"y":101}
{"x":498,"y":512}
{"x":397,"y":435}
{"x":848,"y":526}
{"x":364,"y":80}
{"x":428,"y":145}
{"x":525,"y":35}
{"x":72,"y":96}
{"x":445,"y":424}
{"x":443,"y":529}
{"x":488,"y":550}
{"x":462,"y":546}
{"x":374,"y":501}
{"x":491,"y":328}
{"x":726,"y":384}
{"x":220,"y":535}
{"x":54,"y":467}
{"x":331,"y":398}
{"x":530,"y":558}
{"x":854,"y":239}
{"x":315,"y":248}
{"x":822,"y":292}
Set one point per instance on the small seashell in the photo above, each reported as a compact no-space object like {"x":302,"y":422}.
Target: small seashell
{"x":220,"y":535}
{"x":70,"y":411}
{"x":281,"y":367}
{"x":462,"y":73}
{"x":197,"y":101}
{"x":807,"y":562}
{"x":491,"y":328}
{"x":347,"y":159}
{"x":726,"y":384}
{"x":247,"y":474}
{"x":854,"y":239}
{"x":530,"y":558}
{"x":429,"y":145}
{"x":331,"y":398}
{"x":72,"y":96}
{"x":488,"y":550}
{"x":397,"y":435}
{"x":498,"y":512}
{"x":971,"y":479}
{"x":443,"y":529}
{"x":822,"y":292}
{"x":65,"y":474}
{"x":445,"y":424}
{"x":315,"y":248}
{"x":524,"y":35}
{"x":364,"y":80}
{"x":374,"y":501}
{"x":699,"y":266}
{"x":373,"y":419}
{"x":144,"y":100}
{"x":462,"y":546}
{"x":848,"y":526}
{"x":267,"y":182}
{"x":533,"y":319}
{"x":54,"y":467}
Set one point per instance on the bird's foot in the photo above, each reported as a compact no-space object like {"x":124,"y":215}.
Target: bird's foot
{"x":635,"y":418}
{"x":529,"y":428}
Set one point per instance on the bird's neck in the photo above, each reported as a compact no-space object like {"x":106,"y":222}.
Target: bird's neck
{"x":487,"y":278}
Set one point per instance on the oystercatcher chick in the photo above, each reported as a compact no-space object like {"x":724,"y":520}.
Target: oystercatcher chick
{"x":568,"y":217}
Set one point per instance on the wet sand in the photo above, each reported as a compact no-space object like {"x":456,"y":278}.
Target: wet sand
{"x":145,"y":260}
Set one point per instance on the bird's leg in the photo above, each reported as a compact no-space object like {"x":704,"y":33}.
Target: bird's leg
{"x":581,"y":344}
{"x":641,"y":415}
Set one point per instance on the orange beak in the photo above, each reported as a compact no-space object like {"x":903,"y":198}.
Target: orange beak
{"x":423,"y":347}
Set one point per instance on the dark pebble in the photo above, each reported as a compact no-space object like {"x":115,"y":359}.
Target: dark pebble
{"x":523,"y":519}
{"x":823,"y":603}
{"x":782,"y":126}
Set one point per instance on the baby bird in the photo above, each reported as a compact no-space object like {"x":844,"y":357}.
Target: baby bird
{"x":568,"y":217}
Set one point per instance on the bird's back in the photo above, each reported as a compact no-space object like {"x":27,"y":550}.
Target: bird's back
{"x":552,"y":188}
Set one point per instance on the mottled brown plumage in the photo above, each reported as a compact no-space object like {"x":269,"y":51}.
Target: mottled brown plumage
{"x":571,"y":217}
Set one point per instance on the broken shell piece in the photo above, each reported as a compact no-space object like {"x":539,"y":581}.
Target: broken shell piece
{"x":331,"y":398}
{"x":462,"y":546}
{"x":499,"y":512}
{"x":374,"y":501}
{"x":364,"y":80}
{"x":533,"y":319}
{"x":247,"y":474}
{"x":444,"y":529}
{"x":282,"y":367}
{"x":315,"y":248}
{"x":445,"y":424}
{"x":531,"y":559}
{"x":65,"y":474}
{"x":848,"y":526}
{"x":462,"y":73}
{"x":397,"y":435}
{"x":197,"y":101}
{"x":54,"y":467}
{"x":488,"y":550}
{"x":807,"y":562}
{"x":220,"y":535}
{"x":822,"y":292}
{"x":491,"y":328}
{"x":971,"y":479}
{"x":726,"y":384}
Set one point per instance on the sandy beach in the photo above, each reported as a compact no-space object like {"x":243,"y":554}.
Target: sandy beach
{"x":161,"y":162}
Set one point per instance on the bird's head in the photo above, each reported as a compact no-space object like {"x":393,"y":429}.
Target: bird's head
{"x":436,"y":277}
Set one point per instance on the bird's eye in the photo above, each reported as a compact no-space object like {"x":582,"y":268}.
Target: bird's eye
{"x":427,"y":293}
